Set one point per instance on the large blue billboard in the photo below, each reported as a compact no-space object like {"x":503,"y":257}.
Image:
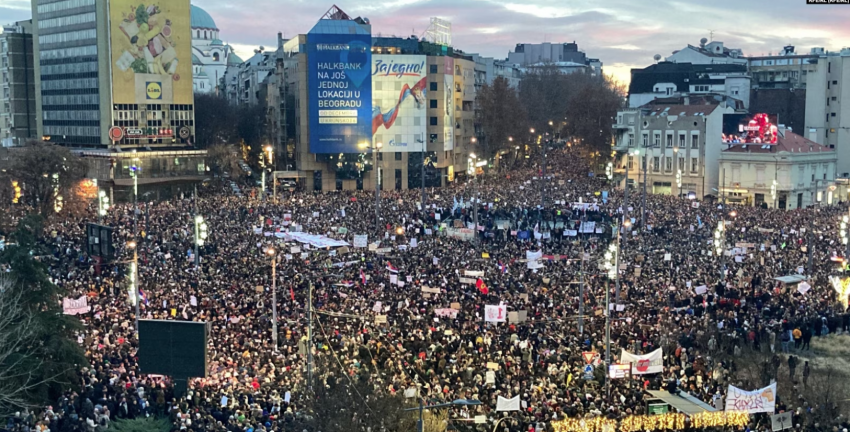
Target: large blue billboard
{"x":340,"y":92}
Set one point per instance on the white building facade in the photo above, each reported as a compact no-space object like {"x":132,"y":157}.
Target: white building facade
{"x":828,"y":106}
{"x":210,"y":56}
{"x":657,"y":142}
{"x":802,"y":171}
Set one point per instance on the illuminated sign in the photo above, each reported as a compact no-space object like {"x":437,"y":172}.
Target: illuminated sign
{"x":744,"y":129}
{"x":340,"y":88}
{"x":148,"y":132}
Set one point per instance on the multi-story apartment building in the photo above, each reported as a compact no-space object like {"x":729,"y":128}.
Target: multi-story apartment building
{"x":565,"y":56}
{"x":113,"y":76}
{"x":713,"y":52}
{"x":17,"y":85}
{"x":668,"y":79}
{"x":657,"y":142}
{"x":421,"y":103}
{"x":828,"y":105}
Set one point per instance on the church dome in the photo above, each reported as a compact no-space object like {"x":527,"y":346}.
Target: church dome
{"x":201,"y":19}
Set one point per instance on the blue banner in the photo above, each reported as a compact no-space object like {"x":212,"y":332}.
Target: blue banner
{"x":339,"y":85}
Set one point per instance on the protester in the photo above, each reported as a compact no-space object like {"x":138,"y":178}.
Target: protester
{"x":672,"y":293}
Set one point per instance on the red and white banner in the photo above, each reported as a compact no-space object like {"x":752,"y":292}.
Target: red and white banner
{"x":644,"y":364}
{"x":495,"y":313}
{"x":757,"y":401}
{"x":76,"y":306}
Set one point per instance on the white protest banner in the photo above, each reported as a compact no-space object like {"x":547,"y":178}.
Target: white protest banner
{"x":668,"y":257}
{"x":393,"y":279}
{"x":511,"y":404}
{"x":430,"y":290}
{"x":295,"y":250}
{"x":446,"y":313}
{"x":644,"y":364}
{"x":490,"y":377}
{"x":76,"y":306}
{"x":380,"y":319}
{"x":570,"y":233}
{"x":495,"y":313}
{"x":700,"y":290}
{"x":532,"y":265}
{"x":377,"y":308}
{"x":781,"y":421}
{"x":318,"y":241}
{"x":468,"y":281}
{"x":803,"y":287}
{"x":757,"y":401}
{"x":413,"y":242}
{"x":472,"y":273}
{"x":531,"y":256}
{"x":361,"y":241}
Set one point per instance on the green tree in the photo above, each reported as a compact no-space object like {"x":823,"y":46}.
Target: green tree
{"x":502,"y":116}
{"x":149,"y":424}
{"x":47,"y":359}
{"x":589,"y":115}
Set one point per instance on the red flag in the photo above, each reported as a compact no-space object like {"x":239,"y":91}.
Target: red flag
{"x":362,"y":277}
{"x":482,"y":287}
{"x":291,"y":293}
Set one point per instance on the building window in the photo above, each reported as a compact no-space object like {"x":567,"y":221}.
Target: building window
{"x":631,"y":140}
{"x":694,"y":141}
{"x":631,"y":162}
{"x":669,"y":141}
{"x":668,"y":164}
{"x":694,"y":165}
{"x":433,"y":121}
{"x":432,"y":103}
{"x":398,"y":156}
{"x":656,"y":163}
{"x":681,"y":140}
{"x":656,"y":140}
{"x":432,"y":86}
{"x":682,"y":164}
{"x":646,"y":139}
{"x":432,"y":69}
{"x":215,"y":57}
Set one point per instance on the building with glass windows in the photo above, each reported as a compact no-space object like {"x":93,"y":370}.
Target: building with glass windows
{"x":114,"y":77}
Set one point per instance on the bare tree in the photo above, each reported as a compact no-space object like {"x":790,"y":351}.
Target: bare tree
{"x":46,"y":172}
{"x":19,"y":363}
{"x":223,"y":158}
{"x":502,"y":116}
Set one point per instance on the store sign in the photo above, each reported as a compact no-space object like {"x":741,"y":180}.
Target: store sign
{"x":148,"y":132}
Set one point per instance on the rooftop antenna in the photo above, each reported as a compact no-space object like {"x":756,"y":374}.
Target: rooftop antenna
{"x":711,"y":35}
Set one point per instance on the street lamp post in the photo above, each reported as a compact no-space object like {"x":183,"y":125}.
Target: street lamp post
{"x":457,"y":402}
{"x":375,"y":150}
{"x":473,"y":162}
{"x":134,"y":280}
{"x":270,"y":150}
{"x":271,"y":252}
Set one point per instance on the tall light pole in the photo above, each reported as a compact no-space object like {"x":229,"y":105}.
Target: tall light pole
{"x":200,"y":237}
{"x":102,"y":205}
{"x":271,"y":252}
{"x":270,"y":151}
{"x":422,"y":180}
{"x":375,"y":150}
{"x":134,"y":280}
{"x":473,"y":162}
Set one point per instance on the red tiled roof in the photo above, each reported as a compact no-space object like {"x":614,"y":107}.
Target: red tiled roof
{"x":791,"y":143}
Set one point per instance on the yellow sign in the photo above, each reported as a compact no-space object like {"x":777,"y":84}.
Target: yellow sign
{"x":154,"y":90}
{"x":151,"y":51}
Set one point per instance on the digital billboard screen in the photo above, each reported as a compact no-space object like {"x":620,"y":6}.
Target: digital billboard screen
{"x":758,"y":128}
{"x":340,"y":87}
{"x":449,"y":104}
{"x":399,"y":89}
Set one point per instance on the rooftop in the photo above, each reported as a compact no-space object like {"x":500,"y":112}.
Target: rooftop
{"x":680,"y":110}
{"x":201,"y":19}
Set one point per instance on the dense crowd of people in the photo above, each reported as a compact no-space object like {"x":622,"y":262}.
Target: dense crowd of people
{"x":673,"y":293}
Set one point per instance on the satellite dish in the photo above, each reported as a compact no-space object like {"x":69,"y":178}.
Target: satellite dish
{"x":703,"y":41}
{"x":366,"y":20}
{"x":657,"y":57}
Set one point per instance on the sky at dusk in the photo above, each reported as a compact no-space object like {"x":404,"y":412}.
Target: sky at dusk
{"x":623,"y":34}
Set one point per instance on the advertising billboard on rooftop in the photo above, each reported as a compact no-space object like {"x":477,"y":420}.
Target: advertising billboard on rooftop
{"x":340,"y":92}
{"x":758,"y":128}
{"x":151,"y":44}
{"x":399,"y":88}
